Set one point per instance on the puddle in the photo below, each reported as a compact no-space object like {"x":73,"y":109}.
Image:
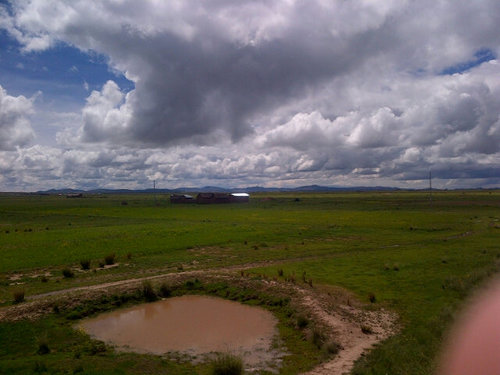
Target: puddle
{"x":193,"y":325}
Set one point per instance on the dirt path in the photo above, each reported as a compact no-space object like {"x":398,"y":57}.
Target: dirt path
{"x":353,"y":327}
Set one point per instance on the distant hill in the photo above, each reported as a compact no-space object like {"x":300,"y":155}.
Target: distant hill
{"x":217,"y":189}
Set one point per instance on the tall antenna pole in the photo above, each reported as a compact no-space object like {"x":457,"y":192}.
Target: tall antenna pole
{"x":154,"y":190}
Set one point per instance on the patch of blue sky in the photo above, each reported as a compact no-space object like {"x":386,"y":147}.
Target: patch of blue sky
{"x":481,"y":56}
{"x":62,"y":73}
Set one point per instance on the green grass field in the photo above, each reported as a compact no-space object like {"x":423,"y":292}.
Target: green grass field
{"x":418,"y":257}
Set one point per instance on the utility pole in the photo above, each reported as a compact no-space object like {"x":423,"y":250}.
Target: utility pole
{"x":154,"y":190}
{"x":430,"y":185}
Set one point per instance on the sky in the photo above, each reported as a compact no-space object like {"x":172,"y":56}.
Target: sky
{"x":275,"y":93}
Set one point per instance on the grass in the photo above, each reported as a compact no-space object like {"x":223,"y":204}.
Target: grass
{"x":227,"y":364}
{"x":393,"y":250}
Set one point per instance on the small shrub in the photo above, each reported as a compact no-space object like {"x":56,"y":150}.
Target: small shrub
{"x":304,"y":280}
{"x":310,"y":282}
{"x":67,"y":273}
{"x":372,"y":298}
{"x":129,"y":256}
{"x":148,"y":291}
{"x":101,"y":264}
{"x":78,"y":369}
{"x":227,"y":364}
{"x":96,"y":347}
{"x":180,"y":268}
{"x":85,"y":263}
{"x":395,"y":267}
{"x":44,"y":279}
{"x":332,"y":347}
{"x":367,"y":330}
{"x":40,"y":367}
{"x":7,"y":231}
{"x":316,"y":337}
{"x":280,"y":272}
{"x":18,"y":296}
{"x":124,"y":203}
{"x":302,"y":321}
{"x":165,"y":290}
{"x":43,"y":347}
{"x":110,"y":259}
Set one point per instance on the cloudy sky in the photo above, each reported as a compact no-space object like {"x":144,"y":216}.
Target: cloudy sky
{"x":118,"y":93}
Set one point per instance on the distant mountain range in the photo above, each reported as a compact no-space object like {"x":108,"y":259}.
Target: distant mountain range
{"x":217,"y":189}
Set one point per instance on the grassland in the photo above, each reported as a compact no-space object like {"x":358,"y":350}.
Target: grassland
{"x":418,"y":257}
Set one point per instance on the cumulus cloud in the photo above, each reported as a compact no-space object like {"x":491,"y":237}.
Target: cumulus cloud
{"x":217,"y":65}
{"x":15,"y":127}
{"x":310,"y":91}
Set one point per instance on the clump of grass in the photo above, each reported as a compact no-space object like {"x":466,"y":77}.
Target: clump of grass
{"x":101,"y":264}
{"x":227,"y":364}
{"x":124,"y":203}
{"x":148,"y":291}
{"x":39,"y":367}
{"x":18,"y":295}
{"x":332,"y":347}
{"x":316,"y":337}
{"x":129,"y":256}
{"x":395,"y":267}
{"x":367,"y":330}
{"x":85,"y":264}
{"x":372,"y":298}
{"x":67,"y":273}
{"x":165,"y":290}
{"x":43,"y":347}
{"x":302,"y":321}
{"x":44,"y":279}
{"x":280,"y":272}
{"x":110,"y":259}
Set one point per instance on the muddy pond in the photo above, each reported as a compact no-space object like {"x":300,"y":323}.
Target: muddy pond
{"x":193,"y":325}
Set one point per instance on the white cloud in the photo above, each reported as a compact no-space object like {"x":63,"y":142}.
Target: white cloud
{"x":260,"y":92}
{"x":15,"y":127}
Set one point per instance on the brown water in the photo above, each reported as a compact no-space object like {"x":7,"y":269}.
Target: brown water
{"x":194,"y":325}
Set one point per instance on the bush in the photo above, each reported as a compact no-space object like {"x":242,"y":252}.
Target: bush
{"x":367,"y":330}
{"x":109,"y":259}
{"x":302,"y":321}
{"x":85,"y":263}
{"x":43,"y":348}
{"x":18,"y":296}
{"x":316,"y":337}
{"x":67,"y":273}
{"x":39,"y":367}
{"x":227,"y":364}
{"x":148,"y":291}
{"x":372,"y":298}
{"x":333,"y":347}
{"x":165,"y":290}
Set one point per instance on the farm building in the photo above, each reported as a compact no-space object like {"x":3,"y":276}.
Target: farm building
{"x":182,"y":198}
{"x":210,"y":198}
